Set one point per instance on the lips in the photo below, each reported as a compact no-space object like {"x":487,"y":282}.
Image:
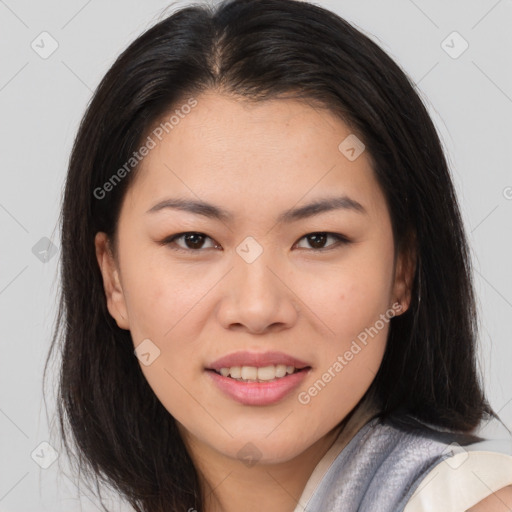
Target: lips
{"x":258,"y":360}
{"x":269,"y":366}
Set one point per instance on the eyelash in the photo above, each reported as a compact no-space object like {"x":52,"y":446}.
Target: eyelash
{"x":341,"y":240}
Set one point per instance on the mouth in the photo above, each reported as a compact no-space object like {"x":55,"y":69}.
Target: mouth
{"x":257,"y":378}
{"x":262,"y":374}
{"x":258,"y":385}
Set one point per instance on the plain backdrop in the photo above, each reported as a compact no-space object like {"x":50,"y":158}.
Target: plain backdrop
{"x":468,"y":91}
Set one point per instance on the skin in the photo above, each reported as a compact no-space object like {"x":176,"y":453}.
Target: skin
{"x":499,"y":501}
{"x":255,"y":160}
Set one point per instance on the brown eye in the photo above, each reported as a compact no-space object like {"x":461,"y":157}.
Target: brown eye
{"x":191,"y":241}
{"x":195,"y":242}
{"x":318,"y":240}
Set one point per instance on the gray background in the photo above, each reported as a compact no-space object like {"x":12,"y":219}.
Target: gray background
{"x":42,"y":101}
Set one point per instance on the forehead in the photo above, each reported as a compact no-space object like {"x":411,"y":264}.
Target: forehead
{"x":253,"y":155}
{"x":231,"y":130}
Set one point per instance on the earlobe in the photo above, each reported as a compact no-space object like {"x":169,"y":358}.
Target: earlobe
{"x":404,"y":276}
{"x":111,"y":283}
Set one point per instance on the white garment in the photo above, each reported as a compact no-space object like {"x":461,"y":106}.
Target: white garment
{"x":395,"y":467}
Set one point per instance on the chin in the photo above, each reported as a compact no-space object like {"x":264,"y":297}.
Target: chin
{"x":252,"y":449}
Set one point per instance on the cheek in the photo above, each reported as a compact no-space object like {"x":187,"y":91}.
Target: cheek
{"x":356,"y":307}
{"x":158,"y":295}
{"x":348,"y":363}
{"x":351,"y":297}
{"x":161,"y":305}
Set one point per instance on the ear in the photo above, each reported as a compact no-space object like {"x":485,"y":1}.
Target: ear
{"x":404,"y":273}
{"x":111,"y":283}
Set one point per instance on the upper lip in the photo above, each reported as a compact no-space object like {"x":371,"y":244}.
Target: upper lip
{"x":245,"y":358}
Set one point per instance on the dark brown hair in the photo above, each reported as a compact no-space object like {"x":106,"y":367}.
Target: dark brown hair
{"x":256,"y":50}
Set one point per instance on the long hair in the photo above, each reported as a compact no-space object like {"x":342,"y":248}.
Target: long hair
{"x":256,"y":50}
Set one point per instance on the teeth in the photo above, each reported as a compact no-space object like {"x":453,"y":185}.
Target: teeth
{"x":266,"y":373}
{"x":236,"y":372}
{"x":254,"y":374}
{"x":249,"y":373}
{"x":281,"y":370}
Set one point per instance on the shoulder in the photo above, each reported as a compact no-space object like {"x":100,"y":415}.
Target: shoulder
{"x":379,"y":467}
{"x":499,"y":501}
{"x":475,"y":475}
{"x":466,"y":481}
{"x":399,"y":464}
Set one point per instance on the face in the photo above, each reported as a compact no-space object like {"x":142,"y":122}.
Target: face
{"x":309,"y":288}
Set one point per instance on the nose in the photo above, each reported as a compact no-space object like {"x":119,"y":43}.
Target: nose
{"x":256,"y":297}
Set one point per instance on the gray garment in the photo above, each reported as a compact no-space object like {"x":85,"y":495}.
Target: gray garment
{"x":384,"y":463}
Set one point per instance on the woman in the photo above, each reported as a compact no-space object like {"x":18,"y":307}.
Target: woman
{"x":267,"y":299}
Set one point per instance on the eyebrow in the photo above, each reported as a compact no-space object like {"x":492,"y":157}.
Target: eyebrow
{"x":294,"y":214}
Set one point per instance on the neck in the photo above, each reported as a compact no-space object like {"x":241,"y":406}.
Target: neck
{"x":229,"y":486}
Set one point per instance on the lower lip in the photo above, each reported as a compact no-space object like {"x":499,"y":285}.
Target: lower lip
{"x":258,"y":393}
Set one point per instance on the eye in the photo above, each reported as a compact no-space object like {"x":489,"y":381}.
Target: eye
{"x":193,"y":241}
{"x":320,"y":238}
